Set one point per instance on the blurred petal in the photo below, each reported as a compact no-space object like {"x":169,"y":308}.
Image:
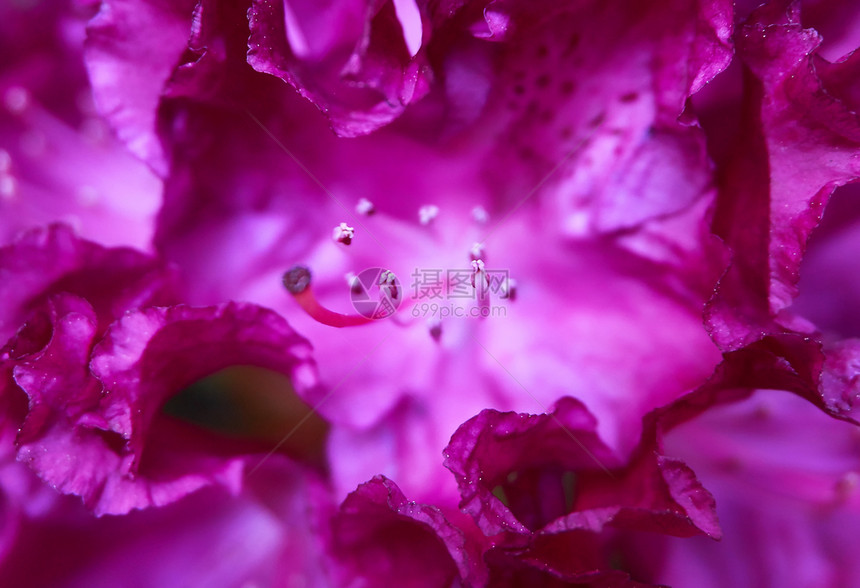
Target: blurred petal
{"x":380,"y":539}
{"x":132,"y":49}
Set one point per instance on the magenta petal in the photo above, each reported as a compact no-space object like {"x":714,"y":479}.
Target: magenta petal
{"x":267,"y":536}
{"x":551,"y":473}
{"x":126,"y":454}
{"x":133,"y":47}
{"x":380,"y":539}
{"x":799,"y":143}
{"x":54,"y":373}
{"x":149,"y":354}
{"x":823,"y":375}
{"x":570,"y":559}
{"x":351,"y":61}
{"x":488,"y":448}
{"x":59,"y":161}
{"x":594,"y":128}
{"x":44,"y":262}
{"x":654,"y":493}
{"x":840,"y":378}
{"x":61,"y":391}
{"x":829,"y":283}
{"x":786,"y":483}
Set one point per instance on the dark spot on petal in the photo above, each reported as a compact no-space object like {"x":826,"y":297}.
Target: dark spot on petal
{"x":565,"y":133}
{"x":527,"y":153}
{"x":519,"y":76}
{"x":532,"y":107}
{"x":519,"y":89}
{"x":572,"y":43}
{"x":629,"y":97}
{"x":546,"y":116}
{"x":567,"y":87}
{"x":542,"y":51}
{"x":597,"y":120}
{"x":542,"y":81}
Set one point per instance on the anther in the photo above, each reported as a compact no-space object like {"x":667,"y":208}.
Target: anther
{"x":343,"y":233}
{"x":297,"y":281}
{"x":388,"y":284}
{"x":479,"y":213}
{"x":481,"y":284}
{"x":479,"y":274}
{"x":427,"y":213}
{"x":477,"y":252}
{"x":365,"y":207}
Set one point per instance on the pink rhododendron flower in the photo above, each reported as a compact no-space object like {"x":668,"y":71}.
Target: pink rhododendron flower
{"x":461,"y":293}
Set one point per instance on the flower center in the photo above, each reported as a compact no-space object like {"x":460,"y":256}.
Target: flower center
{"x":438,"y":290}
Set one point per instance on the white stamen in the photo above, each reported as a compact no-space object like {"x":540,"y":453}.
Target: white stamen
{"x":387,"y":278}
{"x":479,"y":213}
{"x":481,"y":284}
{"x":388,"y":288}
{"x":343,"y":233}
{"x":427,"y":213}
{"x":365,"y":207}
{"x":477,"y":252}
{"x":478,"y":270}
